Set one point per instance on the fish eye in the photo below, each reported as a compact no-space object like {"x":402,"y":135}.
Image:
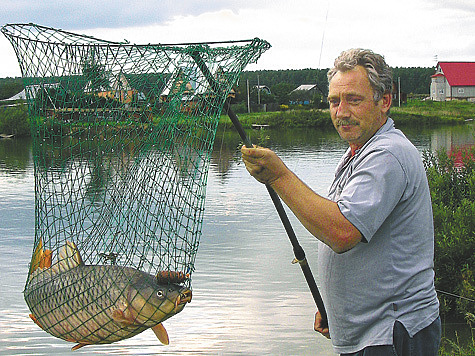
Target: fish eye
{"x":160,"y":294}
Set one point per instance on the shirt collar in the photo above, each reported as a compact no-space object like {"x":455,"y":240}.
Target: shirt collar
{"x":347,"y":157}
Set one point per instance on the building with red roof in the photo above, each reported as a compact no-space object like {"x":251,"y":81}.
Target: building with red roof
{"x":453,"y":81}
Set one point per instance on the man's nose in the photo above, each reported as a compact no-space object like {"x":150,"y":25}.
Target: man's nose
{"x":343,"y":109}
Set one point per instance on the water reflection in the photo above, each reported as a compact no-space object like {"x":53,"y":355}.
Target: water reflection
{"x":248,"y":298}
{"x":15,"y":155}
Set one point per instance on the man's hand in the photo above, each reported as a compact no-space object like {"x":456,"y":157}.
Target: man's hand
{"x":324,"y":331}
{"x":263,"y":164}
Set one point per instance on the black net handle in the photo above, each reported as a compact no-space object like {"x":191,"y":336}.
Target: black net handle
{"x":298,"y":250}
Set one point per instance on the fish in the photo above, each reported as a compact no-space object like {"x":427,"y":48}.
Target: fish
{"x":100,"y":304}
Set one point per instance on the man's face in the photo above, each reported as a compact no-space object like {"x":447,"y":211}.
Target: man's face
{"x":355,"y":115}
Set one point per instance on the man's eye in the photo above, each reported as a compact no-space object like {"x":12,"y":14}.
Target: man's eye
{"x":354,"y":100}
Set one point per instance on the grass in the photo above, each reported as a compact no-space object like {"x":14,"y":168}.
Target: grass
{"x":449,"y":347}
{"x":415,"y":112}
{"x":434,"y":112}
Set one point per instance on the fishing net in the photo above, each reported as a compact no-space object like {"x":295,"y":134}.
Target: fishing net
{"x":122,"y":137}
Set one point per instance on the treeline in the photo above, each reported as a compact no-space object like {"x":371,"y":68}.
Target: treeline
{"x":414,"y":80}
{"x":10,"y":87}
{"x":281,"y":82}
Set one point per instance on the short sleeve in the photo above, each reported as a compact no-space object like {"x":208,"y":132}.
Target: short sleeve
{"x":375,"y":186}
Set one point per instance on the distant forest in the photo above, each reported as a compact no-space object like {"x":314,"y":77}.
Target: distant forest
{"x":282,"y":82}
{"x":413,"y":80}
{"x":10,"y":87}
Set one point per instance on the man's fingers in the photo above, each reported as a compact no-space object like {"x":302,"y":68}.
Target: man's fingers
{"x":317,"y":326}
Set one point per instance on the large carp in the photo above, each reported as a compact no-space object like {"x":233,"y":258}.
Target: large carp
{"x":99,"y":304}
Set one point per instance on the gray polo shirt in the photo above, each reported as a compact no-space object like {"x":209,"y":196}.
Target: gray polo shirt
{"x":383,"y":191}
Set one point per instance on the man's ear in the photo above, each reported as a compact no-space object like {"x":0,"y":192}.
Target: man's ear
{"x":386,"y":102}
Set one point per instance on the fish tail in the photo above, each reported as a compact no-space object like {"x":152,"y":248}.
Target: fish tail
{"x":36,"y":321}
{"x":46,"y":259}
{"x":69,"y":256}
{"x":78,"y":346}
{"x":37,"y":257}
{"x":41,"y":258}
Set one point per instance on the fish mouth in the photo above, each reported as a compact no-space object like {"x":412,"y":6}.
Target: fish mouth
{"x":183,"y":298}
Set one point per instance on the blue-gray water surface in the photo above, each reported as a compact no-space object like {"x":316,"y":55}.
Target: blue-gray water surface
{"x":248,"y":299}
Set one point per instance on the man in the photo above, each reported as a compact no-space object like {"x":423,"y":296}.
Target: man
{"x":375,"y":262}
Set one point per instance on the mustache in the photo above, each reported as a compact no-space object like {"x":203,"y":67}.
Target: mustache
{"x":345,"y":122}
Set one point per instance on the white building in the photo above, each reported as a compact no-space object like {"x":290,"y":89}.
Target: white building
{"x":453,"y":81}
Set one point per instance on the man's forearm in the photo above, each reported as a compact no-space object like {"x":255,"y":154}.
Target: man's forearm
{"x":320,"y":216}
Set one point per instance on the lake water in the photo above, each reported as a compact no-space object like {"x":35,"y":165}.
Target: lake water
{"x":248,"y":299}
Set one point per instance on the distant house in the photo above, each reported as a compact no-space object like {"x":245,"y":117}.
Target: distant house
{"x":303,"y":93}
{"x":182,"y":86}
{"x":119,"y":90}
{"x":263,"y":88}
{"x":19,"y":96}
{"x":307,"y":87}
{"x":453,"y":81}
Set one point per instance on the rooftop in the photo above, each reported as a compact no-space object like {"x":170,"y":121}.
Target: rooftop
{"x":458,"y":73}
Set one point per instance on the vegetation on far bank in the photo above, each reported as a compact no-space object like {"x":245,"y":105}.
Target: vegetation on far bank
{"x":415,"y":80}
{"x":14,"y":119}
{"x":415,"y":112}
{"x":10,"y":86}
{"x":434,"y":112}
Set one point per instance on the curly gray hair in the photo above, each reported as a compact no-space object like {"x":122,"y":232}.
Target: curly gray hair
{"x":379,"y":73}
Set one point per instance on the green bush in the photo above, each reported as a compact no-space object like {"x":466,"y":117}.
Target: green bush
{"x":458,"y":347}
{"x":14,"y":120}
{"x":452,"y":184}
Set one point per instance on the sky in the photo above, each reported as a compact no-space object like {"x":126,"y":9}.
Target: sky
{"x":302,"y":33}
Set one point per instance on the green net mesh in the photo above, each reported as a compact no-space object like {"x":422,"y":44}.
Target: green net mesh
{"x":122,"y":137}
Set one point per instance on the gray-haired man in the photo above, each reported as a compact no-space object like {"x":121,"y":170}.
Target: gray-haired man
{"x":375,"y":261}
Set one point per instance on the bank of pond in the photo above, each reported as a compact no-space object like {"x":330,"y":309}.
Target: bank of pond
{"x":14,"y":119}
{"x":414,"y":113}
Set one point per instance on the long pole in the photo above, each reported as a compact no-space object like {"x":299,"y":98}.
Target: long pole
{"x":248,"y":103}
{"x":258,"y":91}
{"x":298,"y":250}
{"x":399,"y":90}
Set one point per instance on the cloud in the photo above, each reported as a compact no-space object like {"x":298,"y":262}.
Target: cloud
{"x":461,"y":5}
{"x":86,"y":14}
{"x":76,"y":15}
{"x":295,"y":35}
{"x":406,"y":32}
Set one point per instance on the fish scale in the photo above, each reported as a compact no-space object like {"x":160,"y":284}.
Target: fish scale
{"x":79,"y":302}
{"x":93,"y":304}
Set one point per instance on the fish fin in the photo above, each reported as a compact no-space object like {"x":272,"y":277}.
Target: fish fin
{"x":78,"y":346}
{"x":69,"y":256}
{"x":46,"y":259}
{"x":172,"y":277}
{"x":119,"y":316}
{"x":37,"y":257}
{"x":161,"y":333}
{"x":32,"y":317}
